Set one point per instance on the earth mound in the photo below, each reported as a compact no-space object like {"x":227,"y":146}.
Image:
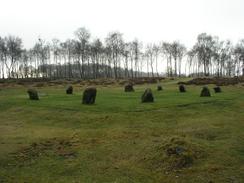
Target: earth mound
{"x":219,"y":81}
{"x":173,"y":154}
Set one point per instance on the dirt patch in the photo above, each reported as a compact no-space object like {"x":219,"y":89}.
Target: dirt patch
{"x":173,"y":155}
{"x":60,"y":147}
{"x":215,"y":80}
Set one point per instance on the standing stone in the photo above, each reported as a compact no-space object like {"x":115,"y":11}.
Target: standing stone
{"x":160,"y":88}
{"x":69,"y":90}
{"x":33,"y":95}
{"x":147,"y":96}
{"x":205,"y":92}
{"x":129,"y":88}
{"x":89,"y":95}
{"x":182,"y":88}
{"x":217,"y":89}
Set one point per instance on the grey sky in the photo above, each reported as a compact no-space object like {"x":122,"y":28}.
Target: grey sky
{"x":147,"y":20}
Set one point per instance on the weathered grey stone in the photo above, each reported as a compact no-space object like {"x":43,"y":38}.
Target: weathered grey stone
{"x":182,"y":88}
{"x":89,"y":95}
{"x":160,"y":88}
{"x":69,"y":90}
{"x":33,"y":94}
{"x":129,"y":88}
{"x":205,"y":92}
{"x":217,"y":89}
{"x":147,"y":96}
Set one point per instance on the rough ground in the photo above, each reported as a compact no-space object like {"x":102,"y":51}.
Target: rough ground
{"x":41,"y":82}
{"x":181,"y":137}
{"x":216,"y":80}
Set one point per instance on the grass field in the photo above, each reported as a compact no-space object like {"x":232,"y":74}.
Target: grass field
{"x":181,"y":137}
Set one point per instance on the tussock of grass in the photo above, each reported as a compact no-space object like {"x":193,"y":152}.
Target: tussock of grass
{"x":173,"y":154}
{"x":53,"y":147}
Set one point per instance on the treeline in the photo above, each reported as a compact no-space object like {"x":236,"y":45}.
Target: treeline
{"x":82,"y":57}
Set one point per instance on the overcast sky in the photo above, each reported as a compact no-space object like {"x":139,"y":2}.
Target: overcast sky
{"x":147,"y":20}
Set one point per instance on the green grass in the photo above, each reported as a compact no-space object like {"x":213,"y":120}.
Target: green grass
{"x":119,"y":139}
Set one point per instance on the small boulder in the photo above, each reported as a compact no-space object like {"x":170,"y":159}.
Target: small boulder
{"x":89,"y":95}
{"x":182,"y":88}
{"x":217,"y":89}
{"x":147,"y":96}
{"x":205,"y":92}
{"x":129,"y":88}
{"x":69,"y":90}
{"x":160,"y":88}
{"x":33,"y":95}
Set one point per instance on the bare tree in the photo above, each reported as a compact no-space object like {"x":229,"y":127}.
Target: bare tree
{"x":83,"y":36}
{"x":3,"y":55}
{"x":113,"y":58}
{"x":115,"y":44}
{"x":204,"y":50}
{"x":239,"y":57}
{"x":156,"y":52}
{"x":167,"y":51}
{"x":150,"y":56}
{"x":14,"y":49}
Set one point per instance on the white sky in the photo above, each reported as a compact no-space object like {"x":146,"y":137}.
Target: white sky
{"x":147,"y":20}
